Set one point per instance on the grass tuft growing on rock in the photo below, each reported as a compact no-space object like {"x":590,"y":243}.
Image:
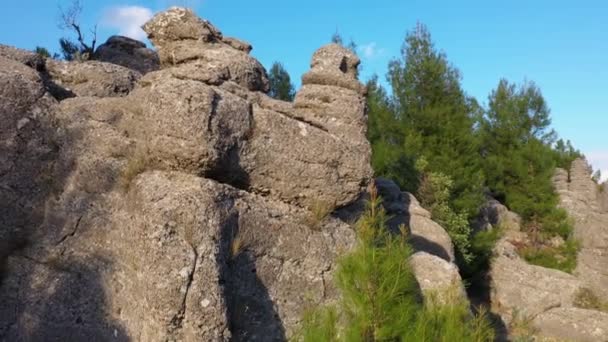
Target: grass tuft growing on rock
{"x":319,"y":211}
{"x":138,"y":162}
{"x":561,"y":258}
{"x":586,"y":299}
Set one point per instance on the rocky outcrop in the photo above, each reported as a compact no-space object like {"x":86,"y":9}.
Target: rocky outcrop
{"x":542,"y":297}
{"x":405,"y":211}
{"x":433,"y":262}
{"x":176,"y":203}
{"x":573,"y":324}
{"x":494,"y":214}
{"x":438,"y":279}
{"x":581,"y":198}
{"x":547,"y":298}
{"x":28,"y":150}
{"x":518,"y":288}
{"x":129,"y":53}
{"x":183,"y":38}
{"x":29,"y":58}
{"x":92,"y":78}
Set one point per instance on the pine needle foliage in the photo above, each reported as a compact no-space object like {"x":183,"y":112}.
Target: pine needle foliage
{"x":380,"y":299}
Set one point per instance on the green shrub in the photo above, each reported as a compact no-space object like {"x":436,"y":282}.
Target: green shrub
{"x":381,"y":300}
{"x":562,"y":258}
{"x":448,"y":323}
{"x":482,"y":245}
{"x":434,"y":193}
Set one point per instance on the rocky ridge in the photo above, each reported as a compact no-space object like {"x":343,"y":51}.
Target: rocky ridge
{"x":545,"y":299}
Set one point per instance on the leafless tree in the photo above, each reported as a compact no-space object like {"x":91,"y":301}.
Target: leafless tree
{"x":69,"y":19}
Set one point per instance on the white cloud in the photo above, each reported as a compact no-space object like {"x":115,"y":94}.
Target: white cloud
{"x":127,"y":20}
{"x":193,"y":4}
{"x":599,"y":161}
{"x":371,"y":50}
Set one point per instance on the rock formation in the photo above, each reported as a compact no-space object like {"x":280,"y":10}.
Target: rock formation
{"x":172,"y":206}
{"x":433,"y":262}
{"x":582,"y":199}
{"x":129,"y":53}
{"x":546,"y":298}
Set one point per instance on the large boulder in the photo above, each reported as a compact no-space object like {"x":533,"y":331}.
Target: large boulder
{"x":29,"y":58}
{"x":439,"y":280}
{"x":518,"y":288}
{"x":494,"y":214}
{"x":183,"y":38}
{"x":92,"y":78}
{"x":129,"y":53}
{"x":404,"y":210}
{"x":573,"y":324}
{"x":28,"y":151}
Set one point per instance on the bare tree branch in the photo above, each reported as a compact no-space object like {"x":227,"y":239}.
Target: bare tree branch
{"x":69,"y":20}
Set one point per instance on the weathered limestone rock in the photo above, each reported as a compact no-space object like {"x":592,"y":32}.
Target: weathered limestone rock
{"x":425,"y":234}
{"x":496,"y":215}
{"x":604,"y":197}
{"x":316,"y":120}
{"x":181,"y":38}
{"x":158,"y":222}
{"x":190,"y":126}
{"x":93,"y":78}
{"x":28,"y":152}
{"x":129,"y":53}
{"x":573,"y":324}
{"x":29,"y":58}
{"x":581,"y":198}
{"x":438,"y":279}
{"x":528,"y":290}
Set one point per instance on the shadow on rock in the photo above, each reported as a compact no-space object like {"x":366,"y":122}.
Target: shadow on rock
{"x":48,"y":300}
{"x":251,"y":311}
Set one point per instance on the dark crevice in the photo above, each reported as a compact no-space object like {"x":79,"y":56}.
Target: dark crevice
{"x":301,"y":119}
{"x":178,"y":319}
{"x":72,"y":233}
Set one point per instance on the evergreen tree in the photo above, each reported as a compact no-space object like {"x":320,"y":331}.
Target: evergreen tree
{"x":380,"y":299}
{"x":42,"y":51}
{"x":520,"y":160}
{"x":385,"y":132}
{"x":281,"y":87}
{"x":438,"y":119}
{"x":565,"y":154}
{"x":69,"y":50}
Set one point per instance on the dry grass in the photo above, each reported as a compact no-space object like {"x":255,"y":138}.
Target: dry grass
{"x":521,"y":328}
{"x":587,"y":299}
{"x":241,"y":240}
{"x":140,"y":161}
{"x":318,"y":211}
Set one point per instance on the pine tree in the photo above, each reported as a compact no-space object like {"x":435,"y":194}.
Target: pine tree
{"x":281,"y":87}
{"x":438,"y":118}
{"x":380,"y":299}
{"x":520,"y":160}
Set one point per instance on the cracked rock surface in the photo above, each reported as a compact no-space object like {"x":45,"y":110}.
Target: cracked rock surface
{"x":172,"y":206}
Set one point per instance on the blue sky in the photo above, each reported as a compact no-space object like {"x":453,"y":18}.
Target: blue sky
{"x":560,"y":45}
